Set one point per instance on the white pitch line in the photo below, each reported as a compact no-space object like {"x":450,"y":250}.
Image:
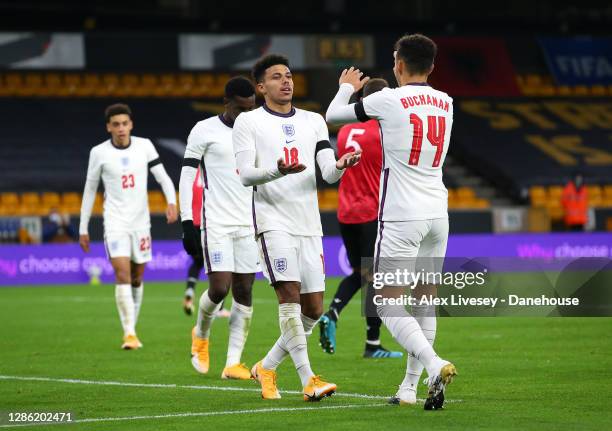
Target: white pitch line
{"x":175,"y":386}
{"x":198,"y":414}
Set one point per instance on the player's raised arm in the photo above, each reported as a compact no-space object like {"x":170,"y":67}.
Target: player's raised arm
{"x":163,"y":179}
{"x":331,"y":169}
{"x":89,"y":196}
{"x":245,"y":152}
{"x":339,"y":110}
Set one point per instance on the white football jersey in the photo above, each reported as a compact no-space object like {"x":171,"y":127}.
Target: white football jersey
{"x":415,"y":122}
{"x":226,"y":202}
{"x":288,"y":203}
{"x":124,"y":172}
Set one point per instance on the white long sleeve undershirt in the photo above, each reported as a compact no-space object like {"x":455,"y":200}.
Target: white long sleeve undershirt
{"x":252,"y":176}
{"x":162,"y":177}
{"x":89,"y":197}
{"x":188,"y":176}
{"x":339,"y":110}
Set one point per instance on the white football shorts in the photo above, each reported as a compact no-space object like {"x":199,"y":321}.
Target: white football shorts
{"x":404,"y":244}
{"x":134,"y":244}
{"x":230,"y":250}
{"x":287,"y":257}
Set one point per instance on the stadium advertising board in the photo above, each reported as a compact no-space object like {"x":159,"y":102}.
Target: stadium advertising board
{"x":579,"y":60}
{"x":66,"y":263}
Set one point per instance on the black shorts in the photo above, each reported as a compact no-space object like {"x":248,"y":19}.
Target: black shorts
{"x":359,"y":240}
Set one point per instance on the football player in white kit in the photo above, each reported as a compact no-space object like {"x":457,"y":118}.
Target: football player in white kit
{"x":276,"y":148}
{"x":123,"y":163}
{"x":227,"y":241}
{"x":415,"y":122}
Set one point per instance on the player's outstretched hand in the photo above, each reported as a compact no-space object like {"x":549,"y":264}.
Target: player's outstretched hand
{"x":84,"y":242}
{"x":292,"y":168}
{"x":171,"y":213}
{"x":354,"y":77}
{"x":349,"y":159}
{"x":192,"y":242}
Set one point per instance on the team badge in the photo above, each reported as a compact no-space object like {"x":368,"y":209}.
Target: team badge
{"x":280,"y":264}
{"x":288,"y":130}
{"x":114,"y":245}
{"x":125,"y":161}
{"x":217,"y":257}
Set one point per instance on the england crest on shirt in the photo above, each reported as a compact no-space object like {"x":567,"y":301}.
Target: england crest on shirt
{"x":125,"y":161}
{"x":280,"y":264}
{"x":288,"y":130}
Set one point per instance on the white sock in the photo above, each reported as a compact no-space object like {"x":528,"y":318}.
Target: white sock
{"x":293,"y":339}
{"x":407,"y":332}
{"x":125,"y":306}
{"x":137,"y":293}
{"x":239,"y":324}
{"x":425,"y":315}
{"x":308,"y":324}
{"x":206,"y":314}
{"x":278,"y":352}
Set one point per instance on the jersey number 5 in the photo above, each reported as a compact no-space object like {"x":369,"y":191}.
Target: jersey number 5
{"x":291,"y":155}
{"x":352,"y":143}
{"x":436,"y":127}
{"x":127,"y":181}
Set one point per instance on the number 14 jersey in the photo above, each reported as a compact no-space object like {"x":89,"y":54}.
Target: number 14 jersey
{"x":415,"y":122}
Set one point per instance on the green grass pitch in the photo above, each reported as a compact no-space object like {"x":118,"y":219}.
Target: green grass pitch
{"x":514,"y":373}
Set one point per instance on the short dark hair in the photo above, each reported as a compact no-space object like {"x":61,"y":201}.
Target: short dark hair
{"x":374,"y":85}
{"x":259,"y":69}
{"x":117,"y":109}
{"x":417,"y":51}
{"x":239,"y":86}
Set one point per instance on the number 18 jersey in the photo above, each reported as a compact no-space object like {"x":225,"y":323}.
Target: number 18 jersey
{"x":415,"y":122}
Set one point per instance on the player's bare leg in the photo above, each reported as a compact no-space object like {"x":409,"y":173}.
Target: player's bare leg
{"x":210,"y":302}
{"x":239,"y":324}
{"x":125,"y":301}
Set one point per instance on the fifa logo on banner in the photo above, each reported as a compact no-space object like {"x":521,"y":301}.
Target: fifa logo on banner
{"x":280,"y":264}
{"x":288,"y":130}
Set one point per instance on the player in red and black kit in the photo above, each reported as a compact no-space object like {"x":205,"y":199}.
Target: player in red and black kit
{"x":193,"y":274}
{"x":197,"y":264}
{"x":358,"y":218}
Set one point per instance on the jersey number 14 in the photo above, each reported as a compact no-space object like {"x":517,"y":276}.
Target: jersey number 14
{"x":436,"y":127}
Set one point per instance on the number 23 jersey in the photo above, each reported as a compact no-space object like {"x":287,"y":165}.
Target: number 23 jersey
{"x":124,"y":172}
{"x":415,"y":122}
{"x":288,"y":203}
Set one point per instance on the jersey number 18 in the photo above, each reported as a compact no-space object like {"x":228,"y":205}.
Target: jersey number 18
{"x":291,"y":155}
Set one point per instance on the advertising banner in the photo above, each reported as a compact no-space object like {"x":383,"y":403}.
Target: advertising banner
{"x":579,"y":60}
{"x":66,"y":263}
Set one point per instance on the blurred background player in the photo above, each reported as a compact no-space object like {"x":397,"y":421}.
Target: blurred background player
{"x":575,"y":203}
{"x":276,"y":148}
{"x":197,"y":262}
{"x":358,"y":218}
{"x":226,"y":241}
{"x":123,"y":162}
{"x":416,"y":123}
